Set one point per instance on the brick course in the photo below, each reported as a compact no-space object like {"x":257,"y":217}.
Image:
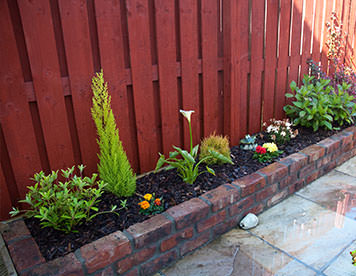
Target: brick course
{"x":147,"y":247}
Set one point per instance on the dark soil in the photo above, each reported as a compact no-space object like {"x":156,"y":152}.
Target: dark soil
{"x":165,"y":184}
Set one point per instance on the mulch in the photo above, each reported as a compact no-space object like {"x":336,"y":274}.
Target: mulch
{"x":165,"y":184}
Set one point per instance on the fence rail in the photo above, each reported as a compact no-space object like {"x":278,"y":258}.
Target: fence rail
{"x":230,"y":61}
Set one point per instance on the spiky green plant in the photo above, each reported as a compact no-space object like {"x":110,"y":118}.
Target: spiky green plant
{"x":114,"y":167}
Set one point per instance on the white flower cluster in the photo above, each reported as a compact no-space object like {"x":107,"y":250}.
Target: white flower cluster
{"x":280,"y":130}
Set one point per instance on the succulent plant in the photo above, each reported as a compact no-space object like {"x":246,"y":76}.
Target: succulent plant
{"x":248,"y":143}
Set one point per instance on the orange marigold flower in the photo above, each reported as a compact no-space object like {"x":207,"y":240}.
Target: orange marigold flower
{"x":157,"y":201}
{"x":144,"y":204}
{"x":147,"y":197}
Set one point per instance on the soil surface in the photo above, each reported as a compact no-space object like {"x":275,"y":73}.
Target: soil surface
{"x":165,"y":184}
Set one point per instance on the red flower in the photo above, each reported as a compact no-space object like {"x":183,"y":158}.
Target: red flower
{"x":157,"y":201}
{"x":261,"y":150}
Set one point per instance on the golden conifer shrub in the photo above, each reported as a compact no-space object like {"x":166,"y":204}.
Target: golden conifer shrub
{"x":217,"y":143}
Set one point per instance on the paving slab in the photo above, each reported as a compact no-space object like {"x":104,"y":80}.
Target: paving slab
{"x":335,"y":191}
{"x":238,"y":253}
{"x":342,"y":265}
{"x":349,"y":167}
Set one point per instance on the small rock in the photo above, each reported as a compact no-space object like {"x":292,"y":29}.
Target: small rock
{"x":249,"y":221}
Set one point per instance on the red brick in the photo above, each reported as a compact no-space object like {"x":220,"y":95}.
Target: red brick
{"x":352,"y":130}
{"x":222,"y":228}
{"x":347,"y":147}
{"x":135,"y":259}
{"x":330,"y":166}
{"x":265,"y":193}
{"x":295,"y":161}
{"x":307,"y":170}
{"x":239,"y":207}
{"x":348,"y":137}
{"x":255,"y":210}
{"x":322,"y":162}
{"x":150,"y":230}
{"x":189,"y":212}
{"x":162,"y":261}
{"x":193,"y":244}
{"x":222,"y":196}
{"x":17,"y":229}
{"x":296,"y":187}
{"x":274,"y":172}
{"x":343,"y":158}
{"x":106,"y":272}
{"x":67,"y":266}
{"x":312,"y":177}
{"x":133,"y":272}
{"x":314,"y":152}
{"x":25,"y":254}
{"x":330,"y":145}
{"x":105,"y":251}
{"x":210,"y":222}
{"x":290,"y":179}
{"x":250,"y":183}
{"x":277,"y":198}
{"x":176,"y":238}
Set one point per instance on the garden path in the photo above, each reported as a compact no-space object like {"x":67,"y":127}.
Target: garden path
{"x":310,"y":233}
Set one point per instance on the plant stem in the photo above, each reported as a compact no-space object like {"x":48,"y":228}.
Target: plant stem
{"x":191,"y":136}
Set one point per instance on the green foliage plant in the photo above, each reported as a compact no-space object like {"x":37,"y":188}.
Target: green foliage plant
{"x":266,"y":153}
{"x":317,"y":105}
{"x":216,"y":143}
{"x":64,"y":205}
{"x":185,"y":162}
{"x":114,"y":167}
{"x":248,"y":143}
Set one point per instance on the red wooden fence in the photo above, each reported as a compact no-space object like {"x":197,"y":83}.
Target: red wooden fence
{"x":230,"y":61}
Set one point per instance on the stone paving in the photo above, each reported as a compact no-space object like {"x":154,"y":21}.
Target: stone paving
{"x":310,"y":233}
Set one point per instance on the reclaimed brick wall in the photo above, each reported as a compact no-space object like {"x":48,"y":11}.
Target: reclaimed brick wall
{"x":146,"y":247}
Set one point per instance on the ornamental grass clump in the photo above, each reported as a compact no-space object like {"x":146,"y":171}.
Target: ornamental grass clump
{"x":280,"y":131}
{"x":217,"y":143}
{"x":267,"y":152}
{"x":185,"y":162}
{"x":114,"y":167}
{"x":64,"y":205}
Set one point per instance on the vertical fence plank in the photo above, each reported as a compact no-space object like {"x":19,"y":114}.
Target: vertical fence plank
{"x":41,"y":46}
{"x":188,"y":19}
{"x":307,"y":33}
{"x":141,"y":70}
{"x":108,"y":16}
{"x":296,"y":37}
{"x":270,"y":58}
{"x":15,"y":116}
{"x":350,"y":59}
{"x":236,"y":33}
{"x":318,"y":24}
{"x":324,"y":53}
{"x":78,"y":50}
{"x":167,"y":70}
{"x":281,"y":85}
{"x":5,"y":202}
{"x":257,"y":33}
{"x":209,"y":14}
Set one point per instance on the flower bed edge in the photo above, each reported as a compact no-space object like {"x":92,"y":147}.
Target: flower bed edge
{"x":144,"y":248}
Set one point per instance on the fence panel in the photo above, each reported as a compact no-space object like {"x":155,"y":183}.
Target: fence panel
{"x":216,"y":57}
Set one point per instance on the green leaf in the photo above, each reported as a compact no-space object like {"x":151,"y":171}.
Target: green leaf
{"x":194,"y":152}
{"x":328,"y":125}
{"x":289,"y":95}
{"x":210,"y":170}
{"x":220,"y":156}
{"x":186,"y":155}
{"x":298,"y":104}
{"x":302,"y":113}
{"x":161,"y":161}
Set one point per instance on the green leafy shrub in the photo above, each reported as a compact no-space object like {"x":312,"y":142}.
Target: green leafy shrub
{"x":114,"y":167}
{"x":216,"y":143}
{"x":187,"y":167}
{"x":248,"y":143}
{"x":64,"y":205}
{"x":318,"y":105}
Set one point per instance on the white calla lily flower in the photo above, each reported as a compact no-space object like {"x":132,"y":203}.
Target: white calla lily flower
{"x":187,"y":114}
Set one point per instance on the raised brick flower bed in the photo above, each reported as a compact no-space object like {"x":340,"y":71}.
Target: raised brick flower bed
{"x":146,"y":247}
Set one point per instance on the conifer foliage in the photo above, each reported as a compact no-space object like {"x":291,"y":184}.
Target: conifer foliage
{"x":114,"y":167}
